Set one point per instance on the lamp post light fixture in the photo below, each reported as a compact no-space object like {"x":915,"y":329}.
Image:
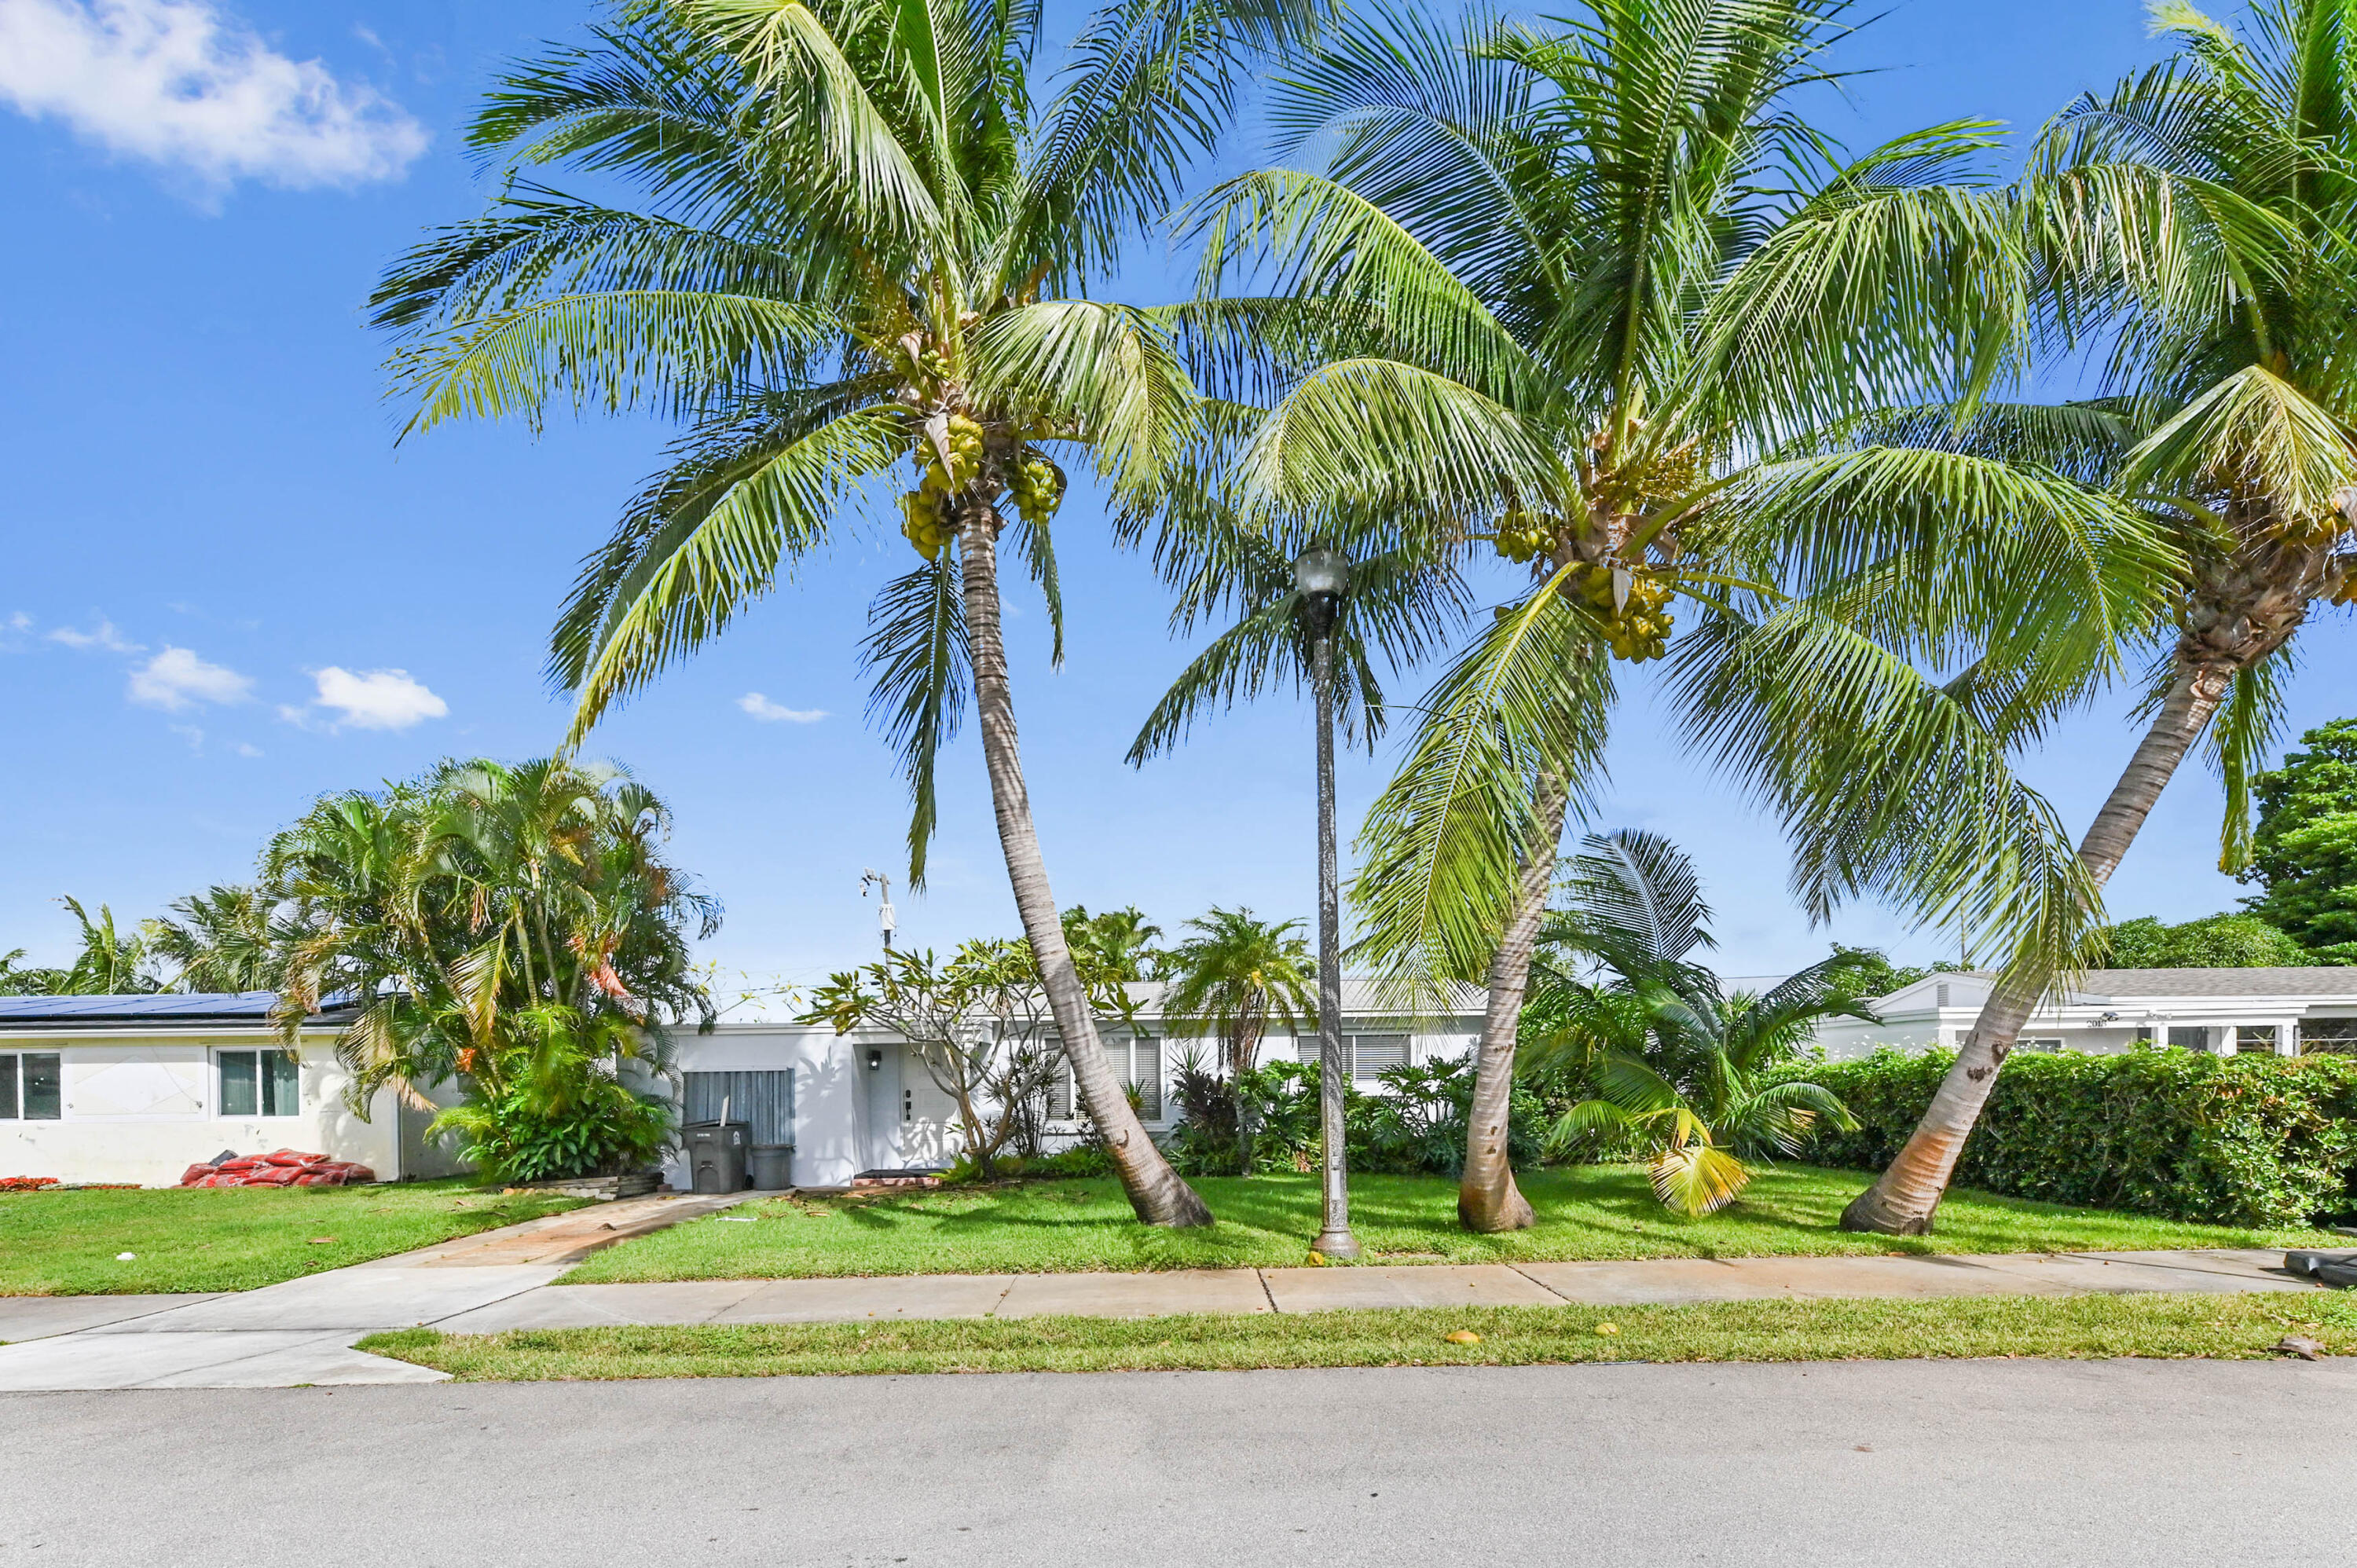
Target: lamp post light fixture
{"x":1323,"y":576}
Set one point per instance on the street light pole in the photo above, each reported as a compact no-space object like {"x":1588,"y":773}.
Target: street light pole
{"x":1324,"y":578}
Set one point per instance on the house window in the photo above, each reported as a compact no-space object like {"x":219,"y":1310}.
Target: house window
{"x":2256,"y":1037}
{"x":2047,"y":1043}
{"x":260,"y":1083}
{"x":1371,"y":1054}
{"x":1137,"y":1063}
{"x":1365,"y":1056}
{"x":763,"y":1099}
{"x":32,"y":1086}
{"x":2328,"y":1036}
{"x":2189,"y":1037}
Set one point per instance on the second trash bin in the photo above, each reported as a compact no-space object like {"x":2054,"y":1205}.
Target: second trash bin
{"x":771,"y":1169}
{"x":716,"y":1153}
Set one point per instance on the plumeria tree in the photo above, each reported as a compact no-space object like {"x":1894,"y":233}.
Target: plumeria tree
{"x":859,"y":249}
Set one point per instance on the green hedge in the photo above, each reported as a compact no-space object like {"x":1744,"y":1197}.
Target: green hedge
{"x":2221,"y":1140}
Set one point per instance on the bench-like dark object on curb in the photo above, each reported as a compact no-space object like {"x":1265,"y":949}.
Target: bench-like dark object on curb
{"x":2338,"y":1270}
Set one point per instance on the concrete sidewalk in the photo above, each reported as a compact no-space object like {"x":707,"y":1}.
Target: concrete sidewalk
{"x":1666,"y":1281}
{"x":301,"y":1332}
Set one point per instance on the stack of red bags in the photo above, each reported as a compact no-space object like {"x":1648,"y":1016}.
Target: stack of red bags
{"x":284,"y":1168}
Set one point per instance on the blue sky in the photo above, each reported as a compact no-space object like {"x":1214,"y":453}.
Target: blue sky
{"x":228,"y":591}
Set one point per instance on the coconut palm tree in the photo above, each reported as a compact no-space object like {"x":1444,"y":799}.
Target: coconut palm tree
{"x":2200,"y":220}
{"x":1594,"y":295}
{"x":1235,"y":976}
{"x":852,"y":242}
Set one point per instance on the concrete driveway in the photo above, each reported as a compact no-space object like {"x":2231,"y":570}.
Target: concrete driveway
{"x":2056,"y":1465}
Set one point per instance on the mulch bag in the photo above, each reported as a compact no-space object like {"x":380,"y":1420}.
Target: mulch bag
{"x":281,"y":1167}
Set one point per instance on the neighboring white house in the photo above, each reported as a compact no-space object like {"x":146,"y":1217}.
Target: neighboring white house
{"x":138,"y":1089}
{"x":2289,"y":1011}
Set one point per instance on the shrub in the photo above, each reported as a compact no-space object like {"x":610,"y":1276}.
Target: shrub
{"x":1416,"y":1126}
{"x":2183,"y":1134}
{"x":1080,"y":1160}
{"x":607,"y":1131}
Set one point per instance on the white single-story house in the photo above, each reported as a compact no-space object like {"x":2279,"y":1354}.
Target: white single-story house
{"x":864,"y":1102}
{"x":138,"y":1089}
{"x":2289,"y":1011}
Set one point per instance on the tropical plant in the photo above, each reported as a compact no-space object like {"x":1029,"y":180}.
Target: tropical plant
{"x":862,"y":243}
{"x":514,"y":928}
{"x":221,"y":940}
{"x":1595,"y":294}
{"x":2304,"y":851}
{"x":1674,"y":1058}
{"x":1235,"y":976}
{"x":2200,"y":222}
{"x":558,"y":1110}
{"x":107,"y":962}
{"x":1121,"y":943}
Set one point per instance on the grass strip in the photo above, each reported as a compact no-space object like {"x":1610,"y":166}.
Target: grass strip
{"x":225,"y":1238}
{"x":1584,"y":1212}
{"x":2078,"y":1326}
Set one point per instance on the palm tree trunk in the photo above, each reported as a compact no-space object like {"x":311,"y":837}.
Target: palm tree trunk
{"x":1486,"y":1199}
{"x":1904,"y":1199}
{"x":1155,"y":1190}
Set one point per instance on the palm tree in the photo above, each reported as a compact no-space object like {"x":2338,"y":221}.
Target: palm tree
{"x":1673,"y":1056}
{"x":1234,"y":977}
{"x":496,"y":923}
{"x":1596,"y":295}
{"x":861,"y":244}
{"x":2202,"y":219}
{"x":222,"y":941}
{"x":110,"y":963}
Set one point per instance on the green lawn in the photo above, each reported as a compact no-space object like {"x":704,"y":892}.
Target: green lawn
{"x":2077,"y":1326}
{"x":214,"y":1239}
{"x":1584,"y":1212}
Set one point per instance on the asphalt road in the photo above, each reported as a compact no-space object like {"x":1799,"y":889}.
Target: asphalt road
{"x":1889,"y":1463}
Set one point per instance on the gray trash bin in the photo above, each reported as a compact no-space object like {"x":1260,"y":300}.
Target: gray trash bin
{"x":771,"y":1168}
{"x":716,"y":1154}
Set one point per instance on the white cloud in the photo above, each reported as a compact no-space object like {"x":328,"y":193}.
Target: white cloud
{"x":770,"y":712}
{"x":20,"y":621}
{"x":189,"y":732}
{"x":373,"y":699}
{"x":105,"y":637}
{"x":176,"y":82}
{"x":246,"y":749}
{"x":176,"y":679}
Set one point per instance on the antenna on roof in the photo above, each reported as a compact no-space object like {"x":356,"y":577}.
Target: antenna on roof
{"x":884,"y":916}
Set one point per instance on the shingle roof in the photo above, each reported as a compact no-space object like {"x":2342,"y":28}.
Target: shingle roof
{"x":161,"y":1007}
{"x":2107,"y":983}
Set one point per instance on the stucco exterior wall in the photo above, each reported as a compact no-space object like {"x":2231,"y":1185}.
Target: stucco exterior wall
{"x":144,"y":1107}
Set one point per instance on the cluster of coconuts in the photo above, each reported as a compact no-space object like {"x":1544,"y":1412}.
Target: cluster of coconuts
{"x":1037,"y":485}
{"x":1639,"y":627}
{"x":1522,"y":538}
{"x":926,"y":508}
